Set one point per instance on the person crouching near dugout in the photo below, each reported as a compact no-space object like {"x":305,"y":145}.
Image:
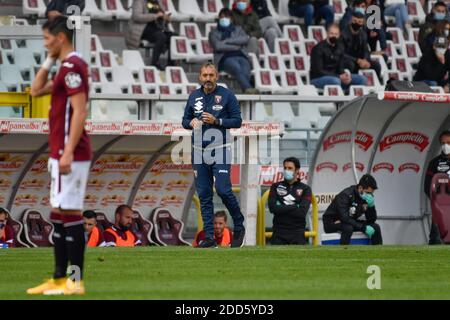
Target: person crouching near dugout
{"x":289,"y":202}
{"x":348,"y":206}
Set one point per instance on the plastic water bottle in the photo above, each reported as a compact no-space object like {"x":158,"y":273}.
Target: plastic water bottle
{"x":4,"y":246}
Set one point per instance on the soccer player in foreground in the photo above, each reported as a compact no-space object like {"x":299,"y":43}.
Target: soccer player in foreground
{"x":70,"y":155}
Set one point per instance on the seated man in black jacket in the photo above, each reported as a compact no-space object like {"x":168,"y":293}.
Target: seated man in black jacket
{"x":348,"y":206}
{"x":357,"y":55}
{"x":434,"y":65}
{"x":289,"y":202}
{"x":327,"y":63}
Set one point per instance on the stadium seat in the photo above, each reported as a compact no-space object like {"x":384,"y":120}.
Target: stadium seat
{"x":339,"y":8}
{"x":7,"y":44}
{"x":295,"y":34}
{"x":309,"y":45}
{"x":415,"y":11}
{"x":142,"y":228}
{"x":397,"y":36}
{"x":176,"y":16}
{"x":113,"y":109}
{"x":12,"y":75}
{"x":437,"y":89}
{"x":204,"y":50}
{"x":37,"y":231}
{"x":283,"y":13}
{"x":307,"y":90}
{"x":372,"y":78}
{"x":99,"y":74}
{"x":168,"y":230}
{"x":132,"y":59}
{"x":358,"y":91}
{"x":208,"y":27}
{"x":440,"y":204}
{"x":168,"y":110}
{"x":291,"y":79}
{"x":274,"y":63}
{"x":278,"y":18}
{"x":310,"y":112}
{"x":104,"y":59}
{"x":149,"y":76}
{"x":95,"y":13}
{"x":122,"y":76}
{"x":18,"y":230}
{"x":402,"y":65}
{"x":317,"y":33}
{"x":176,"y":78}
{"x":300,"y":63}
{"x":5,"y":56}
{"x":190,"y":30}
{"x":332,"y":91}
{"x":413,"y":34}
{"x":102,"y":221}
{"x":191,"y":8}
{"x":211,"y":8}
{"x":263,"y":48}
{"x":115,"y":8}
{"x":284,"y":48}
{"x":254,"y":61}
{"x":413,"y":52}
{"x":96,"y":44}
{"x":34,"y":7}
{"x":181,"y":49}
{"x":265,"y":81}
{"x":383,"y":65}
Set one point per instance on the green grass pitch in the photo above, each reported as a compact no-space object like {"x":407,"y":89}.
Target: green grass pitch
{"x":291,"y":272}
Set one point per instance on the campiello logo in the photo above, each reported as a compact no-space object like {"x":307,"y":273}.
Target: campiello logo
{"x":363,"y":140}
{"x":417,"y":139}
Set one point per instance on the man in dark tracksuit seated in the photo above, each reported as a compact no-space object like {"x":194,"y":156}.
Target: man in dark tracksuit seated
{"x":210,"y":112}
{"x":289,"y":201}
{"x":348,"y":206}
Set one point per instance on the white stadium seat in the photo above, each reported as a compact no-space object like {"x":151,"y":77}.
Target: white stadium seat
{"x":211,"y":8}
{"x":34,"y":7}
{"x":95,"y":13}
{"x":115,"y":8}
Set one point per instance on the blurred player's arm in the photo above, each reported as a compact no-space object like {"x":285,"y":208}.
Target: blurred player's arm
{"x":41,"y":85}
{"x":78,"y":102}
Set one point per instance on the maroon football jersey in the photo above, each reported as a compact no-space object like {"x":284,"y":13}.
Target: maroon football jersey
{"x":71,"y":79}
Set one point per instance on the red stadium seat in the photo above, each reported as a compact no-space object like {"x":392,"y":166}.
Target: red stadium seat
{"x":142,"y":228}
{"x":102,"y":221}
{"x":317,"y":33}
{"x":18,"y":232}
{"x":168,"y":230}
{"x":440,"y":204}
{"x":37,"y":231}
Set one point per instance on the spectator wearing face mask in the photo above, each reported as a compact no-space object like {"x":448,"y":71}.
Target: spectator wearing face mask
{"x":289,"y":202}
{"x":327,"y":63}
{"x":434,"y":65}
{"x":357,"y":54}
{"x":439,"y":164}
{"x":242,"y":15}
{"x":438,"y":14}
{"x":374,"y":35}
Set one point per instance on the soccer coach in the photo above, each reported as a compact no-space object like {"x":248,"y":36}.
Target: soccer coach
{"x":210,"y":111}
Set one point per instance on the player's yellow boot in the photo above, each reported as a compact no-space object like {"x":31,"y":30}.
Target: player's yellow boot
{"x":74,"y":287}
{"x":52,"y":284}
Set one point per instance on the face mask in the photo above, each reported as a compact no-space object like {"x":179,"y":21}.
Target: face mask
{"x":446,"y":149}
{"x":439,"y":16}
{"x":225,"y":22}
{"x":241,"y":6}
{"x":441,"y":50}
{"x":356,"y":26}
{"x":360,"y":10}
{"x":333,"y":40}
{"x":288,"y":175}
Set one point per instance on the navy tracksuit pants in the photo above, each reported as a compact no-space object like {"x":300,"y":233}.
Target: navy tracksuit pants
{"x":217,"y":173}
